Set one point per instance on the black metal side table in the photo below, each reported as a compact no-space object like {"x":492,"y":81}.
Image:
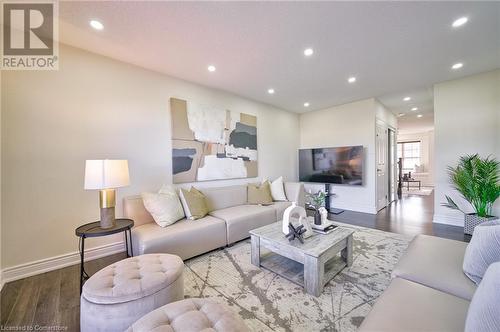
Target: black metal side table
{"x":94,"y":229}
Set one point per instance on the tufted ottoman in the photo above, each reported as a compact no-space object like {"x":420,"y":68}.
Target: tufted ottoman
{"x":118,"y":295}
{"x":190,"y":315}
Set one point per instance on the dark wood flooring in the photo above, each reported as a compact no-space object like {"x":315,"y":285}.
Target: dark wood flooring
{"x":48,"y":300}
{"x":410,"y":215}
{"x":52,"y":299}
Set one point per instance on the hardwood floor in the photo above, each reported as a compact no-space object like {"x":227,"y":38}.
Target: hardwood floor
{"x":48,"y":300}
{"x":52,"y":299}
{"x":411,"y":215}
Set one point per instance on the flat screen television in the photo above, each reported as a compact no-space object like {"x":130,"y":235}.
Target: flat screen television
{"x":340,"y":165}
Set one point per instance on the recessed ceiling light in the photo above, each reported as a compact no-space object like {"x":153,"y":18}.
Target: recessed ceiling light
{"x":96,"y":25}
{"x":407,"y":98}
{"x":211,"y":68}
{"x":308,"y":52}
{"x":457,"y":65}
{"x":306,"y":104}
{"x":414,"y":109}
{"x":270,"y":91}
{"x":419,"y":116}
{"x":351,"y":79}
{"x":459,"y":22}
{"x":401,"y":114}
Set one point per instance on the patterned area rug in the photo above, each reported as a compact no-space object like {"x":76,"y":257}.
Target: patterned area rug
{"x":268,"y":302}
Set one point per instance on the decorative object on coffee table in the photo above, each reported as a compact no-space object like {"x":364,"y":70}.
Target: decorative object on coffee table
{"x":105,"y":176}
{"x":478,"y":180}
{"x":295,"y":233}
{"x":310,"y":264}
{"x":299,"y":213}
{"x":94,"y":229}
{"x":316,"y":201}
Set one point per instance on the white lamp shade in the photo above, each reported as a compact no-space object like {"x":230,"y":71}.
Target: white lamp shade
{"x":106,"y":174}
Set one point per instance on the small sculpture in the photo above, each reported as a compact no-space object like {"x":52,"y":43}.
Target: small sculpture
{"x":296,"y":233}
{"x":324,"y":215}
{"x":299,"y":213}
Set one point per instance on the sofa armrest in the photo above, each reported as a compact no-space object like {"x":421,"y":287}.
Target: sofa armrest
{"x":295,"y":192}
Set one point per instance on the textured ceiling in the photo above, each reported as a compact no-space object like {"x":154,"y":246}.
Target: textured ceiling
{"x":389,"y":46}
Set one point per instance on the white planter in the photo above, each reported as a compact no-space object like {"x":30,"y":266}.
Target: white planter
{"x":472,"y":220}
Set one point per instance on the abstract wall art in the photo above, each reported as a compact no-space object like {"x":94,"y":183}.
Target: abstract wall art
{"x":210,"y":143}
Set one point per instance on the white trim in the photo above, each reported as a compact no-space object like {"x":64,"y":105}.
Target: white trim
{"x":353,"y":207}
{"x":53,"y":263}
{"x":1,"y":281}
{"x":448,"y":219}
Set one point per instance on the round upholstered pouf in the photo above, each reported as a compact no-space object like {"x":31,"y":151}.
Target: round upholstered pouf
{"x":118,"y":295}
{"x":190,"y":315}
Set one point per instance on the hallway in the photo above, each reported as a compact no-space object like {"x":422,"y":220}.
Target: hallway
{"x":410,"y":215}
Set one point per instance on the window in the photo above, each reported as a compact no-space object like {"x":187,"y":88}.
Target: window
{"x":410,"y":152}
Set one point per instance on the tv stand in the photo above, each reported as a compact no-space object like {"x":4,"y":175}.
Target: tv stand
{"x":327,"y":201}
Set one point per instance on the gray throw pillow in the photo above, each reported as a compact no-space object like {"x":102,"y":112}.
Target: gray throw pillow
{"x":483,"y":310}
{"x":483,"y":250}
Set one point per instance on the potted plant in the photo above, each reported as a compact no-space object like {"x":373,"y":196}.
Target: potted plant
{"x":477,"y":179}
{"x":316,"y":201}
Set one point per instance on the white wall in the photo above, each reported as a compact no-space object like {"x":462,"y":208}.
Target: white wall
{"x":384,"y":115}
{"x":467,"y":121}
{"x":96,"y":107}
{"x":344,"y":125}
{"x":426,"y":154}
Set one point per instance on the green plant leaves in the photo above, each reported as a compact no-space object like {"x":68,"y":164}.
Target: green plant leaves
{"x":477,"y":179}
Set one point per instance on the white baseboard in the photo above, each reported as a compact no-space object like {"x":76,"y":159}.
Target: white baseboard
{"x":53,"y":263}
{"x":448,"y":219}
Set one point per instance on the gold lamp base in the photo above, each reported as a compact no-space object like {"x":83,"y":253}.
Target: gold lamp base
{"x":107,"y":202}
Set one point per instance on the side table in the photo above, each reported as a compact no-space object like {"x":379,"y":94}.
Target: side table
{"x":94,"y":229}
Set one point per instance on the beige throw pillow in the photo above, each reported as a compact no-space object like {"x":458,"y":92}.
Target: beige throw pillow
{"x":259,"y":194}
{"x":194,"y":203}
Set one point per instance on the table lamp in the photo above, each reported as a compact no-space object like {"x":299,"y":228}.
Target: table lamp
{"x":105,"y":176}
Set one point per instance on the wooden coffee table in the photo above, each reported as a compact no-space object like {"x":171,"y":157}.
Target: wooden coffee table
{"x":311,"y":264}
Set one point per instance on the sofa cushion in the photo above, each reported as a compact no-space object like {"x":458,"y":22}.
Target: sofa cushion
{"x":133,"y":278}
{"x":165,"y":206}
{"x":185,"y":238}
{"x":280,"y":207}
{"x":408,"y":306}
{"x":436,"y":263}
{"x":278,"y":190}
{"x":223,"y":197}
{"x":194,"y":203}
{"x":483,"y":249}
{"x":243,"y":218}
{"x":483,"y":310}
{"x":259,"y":193}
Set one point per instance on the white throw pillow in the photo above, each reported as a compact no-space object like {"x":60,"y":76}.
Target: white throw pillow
{"x":164,"y":206}
{"x":483,"y":250}
{"x":483,"y":309}
{"x":278,"y":190}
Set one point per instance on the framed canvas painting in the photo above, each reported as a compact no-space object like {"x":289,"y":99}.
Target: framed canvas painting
{"x":210,"y":143}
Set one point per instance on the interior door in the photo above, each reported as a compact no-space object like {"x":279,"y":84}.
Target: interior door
{"x":391,"y":167}
{"x":382,"y":158}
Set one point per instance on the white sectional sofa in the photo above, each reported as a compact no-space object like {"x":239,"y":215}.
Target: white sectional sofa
{"x":429,"y":290}
{"x":230,"y":219}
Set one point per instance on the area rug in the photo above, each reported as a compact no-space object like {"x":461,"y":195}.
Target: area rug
{"x":424,"y":191}
{"x":268,"y":302}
